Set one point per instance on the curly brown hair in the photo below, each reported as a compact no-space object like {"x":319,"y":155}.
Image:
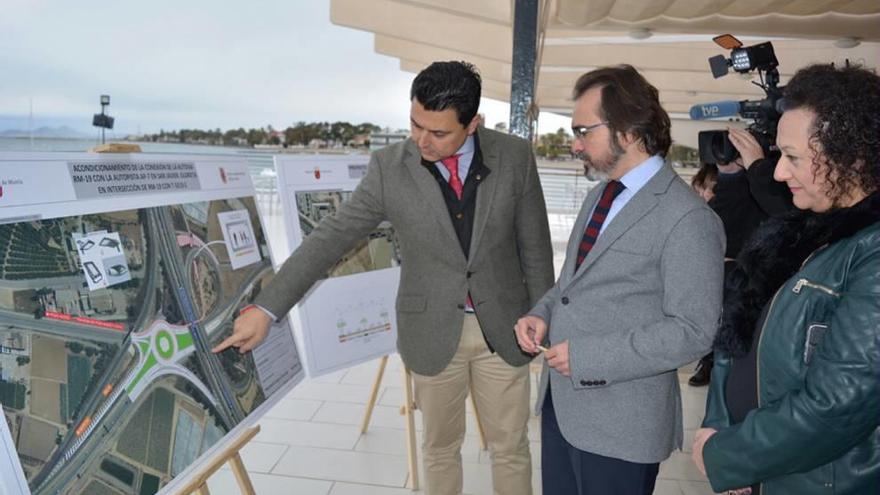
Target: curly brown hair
{"x":846,"y":129}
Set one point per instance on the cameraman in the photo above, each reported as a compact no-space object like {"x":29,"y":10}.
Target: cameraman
{"x":773,"y":198}
{"x":745,"y":194}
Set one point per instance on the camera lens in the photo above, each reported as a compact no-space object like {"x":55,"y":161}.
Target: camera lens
{"x":722,"y":149}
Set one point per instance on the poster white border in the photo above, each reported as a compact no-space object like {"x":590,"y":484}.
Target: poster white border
{"x":305,"y":173}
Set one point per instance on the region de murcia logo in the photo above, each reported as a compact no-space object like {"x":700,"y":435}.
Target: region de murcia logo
{"x":5,"y":184}
{"x":317,"y":173}
{"x":223,"y":175}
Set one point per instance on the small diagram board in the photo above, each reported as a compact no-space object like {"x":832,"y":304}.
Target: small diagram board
{"x":239,"y":236}
{"x":102,"y":259}
{"x":348,"y":317}
{"x":117,"y":278}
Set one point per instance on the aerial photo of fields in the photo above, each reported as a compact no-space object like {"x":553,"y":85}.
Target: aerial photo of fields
{"x":115,"y":390}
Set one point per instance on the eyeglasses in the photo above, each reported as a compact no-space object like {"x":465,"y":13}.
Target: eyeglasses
{"x":581,"y":131}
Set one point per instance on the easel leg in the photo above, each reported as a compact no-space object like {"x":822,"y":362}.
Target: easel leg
{"x":377,"y":383}
{"x":411,"y":447}
{"x":230,"y":454}
{"x":241,"y":475}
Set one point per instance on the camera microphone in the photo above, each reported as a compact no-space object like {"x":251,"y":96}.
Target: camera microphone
{"x":718,"y":109}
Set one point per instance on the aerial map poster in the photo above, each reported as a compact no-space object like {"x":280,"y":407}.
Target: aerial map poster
{"x":118,"y":274}
{"x":348,"y":317}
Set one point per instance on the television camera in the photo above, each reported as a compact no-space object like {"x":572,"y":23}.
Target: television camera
{"x":715,"y":146}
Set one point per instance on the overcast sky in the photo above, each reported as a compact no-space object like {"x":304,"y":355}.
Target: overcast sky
{"x":197,"y":64}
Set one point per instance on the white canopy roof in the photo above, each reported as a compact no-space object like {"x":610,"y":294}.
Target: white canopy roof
{"x":578,"y":35}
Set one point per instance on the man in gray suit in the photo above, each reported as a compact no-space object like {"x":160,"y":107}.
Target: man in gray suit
{"x":639,"y":295}
{"x":469,"y":213}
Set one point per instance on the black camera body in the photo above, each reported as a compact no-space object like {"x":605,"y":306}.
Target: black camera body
{"x":715,"y":146}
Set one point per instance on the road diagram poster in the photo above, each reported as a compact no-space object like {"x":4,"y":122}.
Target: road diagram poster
{"x":348,"y":317}
{"x":116,"y":280}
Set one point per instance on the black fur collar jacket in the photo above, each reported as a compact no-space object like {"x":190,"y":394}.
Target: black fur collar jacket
{"x":775,"y":252}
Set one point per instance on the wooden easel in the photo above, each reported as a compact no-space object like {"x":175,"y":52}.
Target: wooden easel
{"x":231,"y":455}
{"x":408,"y":411}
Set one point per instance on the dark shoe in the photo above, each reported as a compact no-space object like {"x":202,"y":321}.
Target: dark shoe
{"x":701,"y":376}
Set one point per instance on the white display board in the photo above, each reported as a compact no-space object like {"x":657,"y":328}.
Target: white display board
{"x":348,"y":317}
{"x":12,"y":480}
{"x":119,"y":273}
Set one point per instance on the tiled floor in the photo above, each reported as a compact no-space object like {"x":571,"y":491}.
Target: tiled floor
{"x":310,"y":443}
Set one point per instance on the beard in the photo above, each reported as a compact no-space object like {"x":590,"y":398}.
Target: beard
{"x":599,"y":168}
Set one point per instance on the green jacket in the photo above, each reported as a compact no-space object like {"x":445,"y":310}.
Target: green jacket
{"x":818,"y":357}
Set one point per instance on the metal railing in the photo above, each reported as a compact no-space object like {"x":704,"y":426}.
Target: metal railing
{"x":564,"y":188}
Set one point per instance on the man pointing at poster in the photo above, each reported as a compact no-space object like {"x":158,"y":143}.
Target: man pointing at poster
{"x":469,"y":213}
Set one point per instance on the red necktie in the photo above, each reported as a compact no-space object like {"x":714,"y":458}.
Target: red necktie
{"x":451,"y":164}
{"x":591,"y":233}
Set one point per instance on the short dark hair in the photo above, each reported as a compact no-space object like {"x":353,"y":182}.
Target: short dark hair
{"x":846,"y":101}
{"x":443,"y":85}
{"x":630,"y":104}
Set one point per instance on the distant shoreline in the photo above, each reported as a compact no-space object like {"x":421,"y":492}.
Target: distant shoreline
{"x":267,"y":151}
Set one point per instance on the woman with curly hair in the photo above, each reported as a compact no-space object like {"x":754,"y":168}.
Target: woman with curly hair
{"x":794,"y":405}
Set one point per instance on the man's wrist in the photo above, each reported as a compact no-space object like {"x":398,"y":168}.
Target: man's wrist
{"x":751,"y":163}
{"x":263,"y":310}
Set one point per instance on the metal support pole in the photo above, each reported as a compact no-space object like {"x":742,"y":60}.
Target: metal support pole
{"x":103,"y":106}
{"x":522,"y":76}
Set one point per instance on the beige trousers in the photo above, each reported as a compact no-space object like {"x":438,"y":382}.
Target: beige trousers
{"x":501,"y":394}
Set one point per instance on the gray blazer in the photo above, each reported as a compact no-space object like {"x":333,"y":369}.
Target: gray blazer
{"x":510,"y":265}
{"x":644,"y":302}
